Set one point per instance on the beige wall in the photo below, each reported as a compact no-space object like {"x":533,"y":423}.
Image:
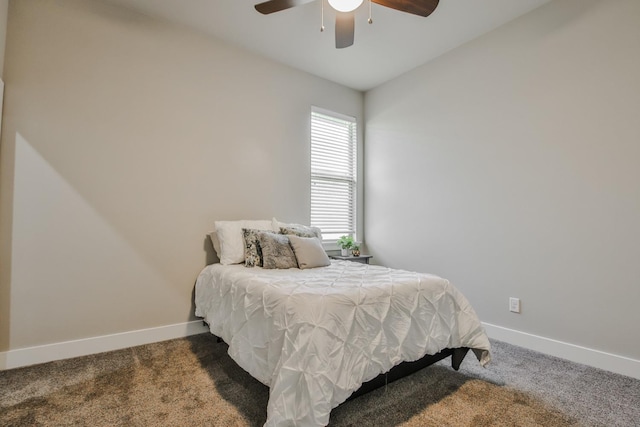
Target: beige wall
{"x":4,"y":291}
{"x":510,"y":166}
{"x":4,"y":8}
{"x":124,"y":139}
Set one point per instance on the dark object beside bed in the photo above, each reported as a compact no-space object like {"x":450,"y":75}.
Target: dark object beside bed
{"x":408,"y":368}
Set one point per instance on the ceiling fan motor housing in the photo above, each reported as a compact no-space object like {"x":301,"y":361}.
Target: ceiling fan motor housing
{"x":345,"y":12}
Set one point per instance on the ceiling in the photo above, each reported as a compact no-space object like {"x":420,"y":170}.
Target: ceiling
{"x":395,"y":43}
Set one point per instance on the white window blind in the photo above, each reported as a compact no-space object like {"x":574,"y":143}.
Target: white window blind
{"x":333,"y":173}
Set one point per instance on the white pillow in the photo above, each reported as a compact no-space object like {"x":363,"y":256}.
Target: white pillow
{"x":309,"y":252}
{"x":231,"y":239}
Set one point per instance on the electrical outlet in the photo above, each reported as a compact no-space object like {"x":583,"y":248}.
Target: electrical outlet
{"x":514,"y":305}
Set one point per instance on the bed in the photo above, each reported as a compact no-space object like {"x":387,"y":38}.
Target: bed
{"x":315,"y":336}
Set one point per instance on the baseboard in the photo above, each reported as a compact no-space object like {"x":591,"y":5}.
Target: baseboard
{"x":65,"y":350}
{"x":575,"y":353}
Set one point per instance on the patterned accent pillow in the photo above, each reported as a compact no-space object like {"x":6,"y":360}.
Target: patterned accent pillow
{"x":276,"y":251}
{"x":301,"y":231}
{"x":252,"y":249}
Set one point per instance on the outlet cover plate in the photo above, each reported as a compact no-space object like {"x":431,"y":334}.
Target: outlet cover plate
{"x":514,"y":305}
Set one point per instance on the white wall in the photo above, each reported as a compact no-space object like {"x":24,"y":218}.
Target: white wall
{"x":510,"y":167}
{"x":124,"y":139}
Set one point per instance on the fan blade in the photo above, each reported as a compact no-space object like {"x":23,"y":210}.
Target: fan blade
{"x":277,"y":5}
{"x":345,"y":29}
{"x":415,"y":7}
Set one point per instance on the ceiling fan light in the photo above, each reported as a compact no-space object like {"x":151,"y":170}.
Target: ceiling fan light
{"x":345,"y":5}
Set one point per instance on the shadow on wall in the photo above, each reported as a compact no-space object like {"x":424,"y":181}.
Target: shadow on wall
{"x":210,"y":258}
{"x":210,"y":254}
{"x":60,"y":238}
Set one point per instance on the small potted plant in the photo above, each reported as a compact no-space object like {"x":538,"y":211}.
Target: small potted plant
{"x":345,"y":243}
{"x":355,"y":249}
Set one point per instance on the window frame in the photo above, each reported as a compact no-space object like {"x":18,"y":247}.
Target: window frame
{"x":356,"y":179}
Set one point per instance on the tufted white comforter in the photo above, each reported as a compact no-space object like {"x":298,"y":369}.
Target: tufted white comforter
{"x":314,"y":336}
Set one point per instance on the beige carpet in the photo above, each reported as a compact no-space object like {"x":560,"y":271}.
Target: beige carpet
{"x":193,"y":382}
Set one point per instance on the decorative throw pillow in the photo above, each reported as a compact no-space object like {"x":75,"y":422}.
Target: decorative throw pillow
{"x":252,"y":250}
{"x":276,"y":251}
{"x":232,"y":241}
{"x":309,"y":252}
{"x":296,"y":229}
{"x":301,"y":231}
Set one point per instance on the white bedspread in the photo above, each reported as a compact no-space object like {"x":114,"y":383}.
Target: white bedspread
{"x":314,"y":336}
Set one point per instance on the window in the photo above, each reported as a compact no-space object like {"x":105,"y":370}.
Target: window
{"x":333,"y":173}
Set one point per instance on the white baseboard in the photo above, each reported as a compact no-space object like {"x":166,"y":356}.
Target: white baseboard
{"x":575,"y":353}
{"x":65,"y":350}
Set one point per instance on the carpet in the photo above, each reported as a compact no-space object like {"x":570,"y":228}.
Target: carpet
{"x":192,"y":381}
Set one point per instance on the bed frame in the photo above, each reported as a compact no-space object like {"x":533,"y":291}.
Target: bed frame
{"x":403,"y":369}
{"x":408,"y":368}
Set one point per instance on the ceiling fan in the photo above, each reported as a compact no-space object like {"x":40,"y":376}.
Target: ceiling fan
{"x":345,"y":12}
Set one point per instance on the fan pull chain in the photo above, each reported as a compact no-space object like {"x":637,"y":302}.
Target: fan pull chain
{"x":322,"y":22}
{"x":370,"y":21}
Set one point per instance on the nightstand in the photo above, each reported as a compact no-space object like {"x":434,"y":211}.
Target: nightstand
{"x":363,"y":259}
